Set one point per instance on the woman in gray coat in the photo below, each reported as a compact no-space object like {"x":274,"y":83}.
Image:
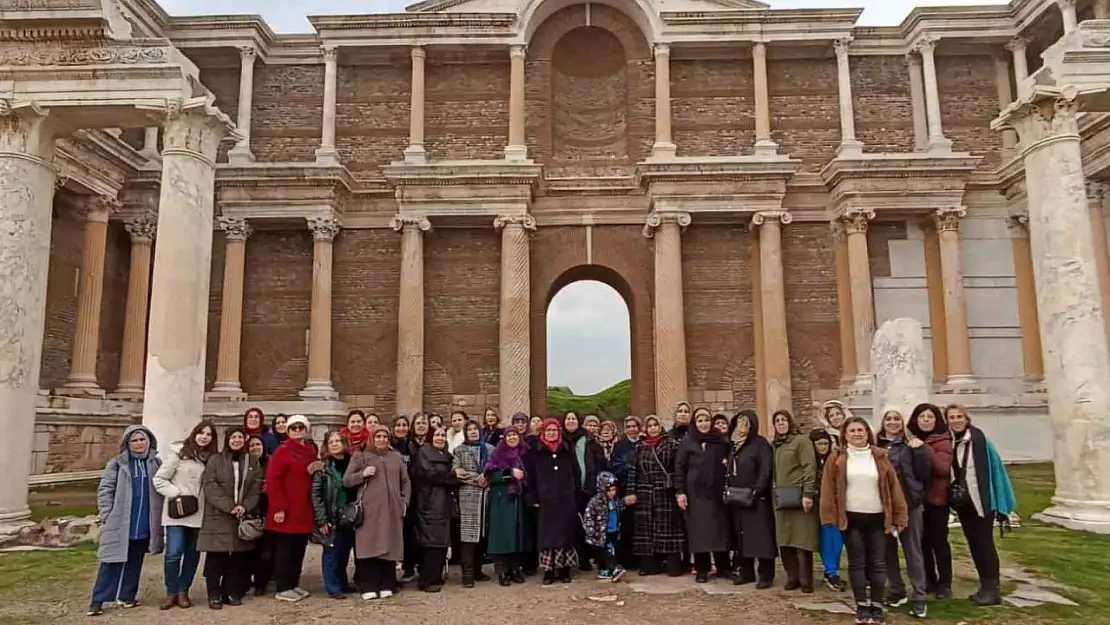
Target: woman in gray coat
{"x":232,"y":486}
{"x":130,"y":512}
{"x":469,"y":465}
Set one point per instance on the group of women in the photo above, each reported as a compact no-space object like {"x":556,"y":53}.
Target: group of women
{"x":711,"y":492}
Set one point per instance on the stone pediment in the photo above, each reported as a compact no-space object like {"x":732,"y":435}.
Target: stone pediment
{"x":897,"y":184}
{"x":515,"y":6}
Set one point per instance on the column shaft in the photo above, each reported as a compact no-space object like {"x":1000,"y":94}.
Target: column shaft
{"x":319,"y":386}
{"x":241,"y":153}
{"x":1002,"y":80}
{"x":664,"y":144}
{"x":26,"y":195}
{"x":133,"y":351}
{"x":410,"y":315}
{"x":1031,"y":358}
{"x":178,"y":329}
{"x":415,"y":153}
{"x":937,"y":141}
{"x":517,"y":150}
{"x":849,"y":146}
{"x":863,"y":304}
{"x":917,"y":103}
{"x":938,"y":325}
{"x":763,"y":142}
{"x":1096,"y":196}
{"x":227,"y":386}
{"x":955,"y":310}
{"x":326,"y":154}
{"x":758,"y":335}
{"x":776,"y":349}
{"x":1017,"y":47}
{"x":844,"y":305}
{"x":150,"y":143}
{"x":90,"y":295}
{"x":670,"y":320}
{"x":1068,"y":15}
{"x":515,"y":318}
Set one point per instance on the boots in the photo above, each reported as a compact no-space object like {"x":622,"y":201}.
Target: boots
{"x":169,"y":602}
{"x":502,"y":572}
{"x":548,"y":577}
{"x":805,"y":570}
{"x":518,"y":575}
{"x":675,"y":566}
{"x":467,"y":563}
{"x":988,"y":595}
{"x":790,"y":563}
{"x":563,"y":574}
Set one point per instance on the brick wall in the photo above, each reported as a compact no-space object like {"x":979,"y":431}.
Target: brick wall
{"x":466,"y":110}
{"x":371,"y":115}
{"x":881,"y":102}
{"x":879,"y":236}
{"x":713,"y":106}
{"x":66,"y":241}
{"x":968,"y":103}
{"x":805,"y":115}
{"x":286,"y":112}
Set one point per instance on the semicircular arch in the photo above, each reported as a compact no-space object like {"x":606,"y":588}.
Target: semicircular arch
{"x":533,"y":13}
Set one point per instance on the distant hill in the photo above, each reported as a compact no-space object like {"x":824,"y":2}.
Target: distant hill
{"x":612,"y":403}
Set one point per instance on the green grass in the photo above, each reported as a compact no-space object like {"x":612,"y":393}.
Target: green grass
{"x":613,"y":403}
{"x":37,"y":587}
{"x":68,"y":499}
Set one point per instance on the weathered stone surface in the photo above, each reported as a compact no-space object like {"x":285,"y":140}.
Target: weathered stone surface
{"x":60,"y":533}
{"x":901,"y":368}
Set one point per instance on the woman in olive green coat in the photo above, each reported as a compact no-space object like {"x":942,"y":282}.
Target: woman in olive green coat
{"x":796,"y":529}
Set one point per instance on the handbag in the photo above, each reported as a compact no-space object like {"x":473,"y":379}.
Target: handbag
{"x":959,"y":497}
{"x":350,"y":515}
{"x":182,"y":506}
{"x":668,"y":479}
{"x":738,"y":496}
{"x":788,"y":498}
{"x":250,"y":529}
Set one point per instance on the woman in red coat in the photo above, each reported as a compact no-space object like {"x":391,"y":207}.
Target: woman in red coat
{"x":289,"y":516}
{"x":928,"y":424}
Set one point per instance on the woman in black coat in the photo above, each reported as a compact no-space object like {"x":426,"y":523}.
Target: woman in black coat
{"x":433,"y":480}
{"x":591,"y":460}
{"x":751,"y":465}
{"x":700,"y":483}
{"x":554,"y":484}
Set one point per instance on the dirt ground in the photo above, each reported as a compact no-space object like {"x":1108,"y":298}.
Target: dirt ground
{"x":488,"y":603}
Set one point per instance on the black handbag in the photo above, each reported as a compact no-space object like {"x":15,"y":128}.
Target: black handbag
{"x":788,"y":498}
{"x":182,"y":506}
{"x":739,"y":496}
{"x":959,"y":497}
{"x":351,"y":515}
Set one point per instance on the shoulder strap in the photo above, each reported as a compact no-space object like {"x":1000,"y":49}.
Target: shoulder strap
{"x":960,"y":465}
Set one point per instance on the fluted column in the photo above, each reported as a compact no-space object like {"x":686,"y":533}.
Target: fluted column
{"x":863,"y":303}
{"x":227,"y":386}
{"x":415,"y":154}
{"x":326,"y":154}
{"x":947,"y":221}
{"x":1068,"y":15}
{"x":664,"y":143}
{"x":141,"y":229}
{"x":319,"y":386}
{"x":764,"y":144}
{"x":515,"y":318}
{"x":926,"y":47}
{"x":776,"y":350}
{"x":86,"y":337}
{"x":1096,"y":197}
{"x":1002,"y":82}
{"x":410,"y":314}
{"x":1031,"y":357}
{"x":1017,"y":47}
{"x":917,"y":103}
{"x":670,"y":321}
{"x":517,"y":150}
{"x":844,"y":304}
{"x":849,"y":146}
{"x":241,"y":153}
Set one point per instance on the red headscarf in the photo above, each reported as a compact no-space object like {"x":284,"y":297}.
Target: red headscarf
{"x":261,"y":429}
{"x":551,"y":445}
{"x":356,"y":441}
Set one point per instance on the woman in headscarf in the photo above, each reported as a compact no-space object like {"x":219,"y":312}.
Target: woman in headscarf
{"x":591,"y":461}
{"x":520,"y":423}
{"x":720,"y":423}
{"x":418,"y":435}
{"x":254,"y":423}
{"x":830,"y":541}
{"x":910,"y":458}
{"x":435,"y":481}
{"x":384,"y":488}
{"x":509,"y":538}
{"x":832,"y":416}
{"x":699,"y":486}
{"x":470,"y":460}
{"x":794,"y":498}
{"x":275,"y":436}
{"x":555,"y":491}
{"x":356,"y":432}
{"x":682,"y":414}
{"x":928,"y":424}
{"x":659,"y":531}
{"x":261,"y":565}
{"x":751,"y":466}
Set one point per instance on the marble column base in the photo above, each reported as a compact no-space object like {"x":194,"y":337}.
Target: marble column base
{"x":80,"y":388}
{"x":319,"y":389}
{"x":664,"y":151}
{"x":127,"y":394}
{"x":1086,"y":516}
{"x":12,"y":523}
{"x":940,"y":145}
{"x":517,"y":154}
{"x":327,"y":156}
{"x":415,"y":155}
{"x":961,"y":384}
{"x":849,"y":149}
{"x":240,"y":155}
{"x":766,"y":147}
{"x":225,"y":392}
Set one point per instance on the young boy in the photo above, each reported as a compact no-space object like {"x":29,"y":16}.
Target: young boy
{"x":832,"y":541}
{"x":602,"y":525}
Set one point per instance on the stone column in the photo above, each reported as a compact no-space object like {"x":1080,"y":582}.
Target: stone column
{"x":917,"y":104}
{"x":1067,"y":14}
{"x":757,"y":331}
{"x":241,"y":153}
{"x":324,"y":230}
{"x":849,"y":147}
{"x":1002,"y":81}
{"x":1096,"y":196}
{"x":515,"y":319}
{"x":1031,"y":357}
{"x":517,"y":150}
{"x":26,"y":195}
{"x":1076,"y":358}
{"x":863,"y":303}
{"x":947,"y":222}
{"x":764,"y":144}
{"x":326,"y":154}
{"x":776,"y":350}
{"x":670,"y":321}
{"x":86,"y":336}
{"x":926,"y":46}
{"x":1017,"y":47}
{"x":410,"y":314}
{"x":141,"y":229}
{"x":150,"y":144}
{"x":1102,"y":9}
{"x":414,"y":154}
{"x":177,"y":335}
{"x":227,"y":386}
{"x":664,"y":144}
{"x":844,"y":305}
{"x":935,"y":291}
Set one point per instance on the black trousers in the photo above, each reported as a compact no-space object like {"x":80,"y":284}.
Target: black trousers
{"x":865,"y":541}
{"x":703,"y":563}
{"x":260,"y":566}
{"x":625,"y":555}
{"x":507,"y":562}
{"x":798,"y":564}
{"x":979,"y":533}
{"x":431,"y":566}
{"x":225,"y":574}
{"x":935,"y":549}
{"x":748,"y":569}
{"x":375,"y":575}
{"x":289,"y":560}
{"x":411,"y":559}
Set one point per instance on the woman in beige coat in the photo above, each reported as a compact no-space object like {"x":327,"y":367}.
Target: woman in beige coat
{"x":383,"y":482}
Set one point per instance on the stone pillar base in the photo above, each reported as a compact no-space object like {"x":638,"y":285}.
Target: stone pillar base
{"x":151,"y":155}
{"x":517,"y":154}
{"x":663,"y":151}
{"x":327,"y":156}
{"x":863,"y":384}
{"x":319,"y":389}
{"x":240,"y":155}
{"x":766,"y":147}
{"x":415,"y":155}
{"x":940,"y":145}
{"x":11,"y":524}
{"x":961,"y":384}
{"x":849,"y":149}
{"x":121,"y":394}
{"x":80,"y":389}
{"x":225,"y":393}
{"x":1085,"y":516}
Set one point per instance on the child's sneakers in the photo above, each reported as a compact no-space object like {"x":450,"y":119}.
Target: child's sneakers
{"x":605,"y":574}
{"x":835,"y":584}
{"x":863,"y":614}
{"x":617,"y":574}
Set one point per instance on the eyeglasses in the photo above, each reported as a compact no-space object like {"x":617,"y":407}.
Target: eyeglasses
{"x":297,"y":426}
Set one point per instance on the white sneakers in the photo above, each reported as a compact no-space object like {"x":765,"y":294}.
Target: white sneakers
{"x":370,"y":596}
{"x":293,"y":595}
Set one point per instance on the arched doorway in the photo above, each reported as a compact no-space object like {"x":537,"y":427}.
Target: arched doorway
{"x":589,"y":351}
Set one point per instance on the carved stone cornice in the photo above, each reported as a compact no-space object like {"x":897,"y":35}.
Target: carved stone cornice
{"x":948,"y":219}
{"x":142,"y":227}
{"x":657,"y":218}
{"x":63,"y":54}
{"x":401,"y":222}
{"x":324,"y":229}
{"x":525,"y":221}
{"x":855,"y":221}
{"x":235,"y":229}
{"x":781,"y":217}
{"x":897,"y":185}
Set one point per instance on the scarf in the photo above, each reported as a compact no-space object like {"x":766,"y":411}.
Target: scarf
{"x":710,"y":478}
{"x":356,"y":441}
{"x":653,"y":441}
{"x":552,"y":446}
{"x":258,"y":431}
{"x":607,"y":447}
{"x":483,"y":449}
{"x":506,"y":458}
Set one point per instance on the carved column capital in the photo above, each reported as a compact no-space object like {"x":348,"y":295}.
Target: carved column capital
{"x":518,"y":52}
{"x":842,"y":45}
{"x":1066,"y":4}
{"x":926,"y":44}
{"x":782,"y":217}
{"x":235,"y":229}
{"x":855,"y":221}
{"x":323,"y":228}
{"x":658,"y":218}
{"x":661,"y":49}
{"x":1017,"y":44}
{"x":247,"y":54}
{"x":418,"y":53}
{"x":525,"y":221}
{"x":193,"y":129}
{"x":1018,"y":224}
{"x":400,"y":222}
{"x":100,"y":208}
{"x":1095,"y":191}
{"x":330,"y":52}
{"x":948,"y":219}
{"x":142,"y":227}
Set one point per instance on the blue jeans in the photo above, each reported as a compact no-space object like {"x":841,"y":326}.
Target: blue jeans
{"x":335,"y":560}
{"x":119,"y":581}
{"x":832,"y":545}
{"x":182,"y":558}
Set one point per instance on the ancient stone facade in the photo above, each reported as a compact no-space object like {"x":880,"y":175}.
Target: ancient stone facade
{"x":378,"y":213}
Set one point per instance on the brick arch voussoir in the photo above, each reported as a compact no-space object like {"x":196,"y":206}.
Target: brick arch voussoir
{"x":542,"y":45}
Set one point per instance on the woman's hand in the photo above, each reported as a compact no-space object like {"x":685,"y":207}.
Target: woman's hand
{"x":279,"y":516}
{"x":630,"y":500}
{"x":482,"y":481}
{"x":518,"y":474}
{"x":682,"y":501}
{"x":369,"y":471}
{"x":325,"y":529}
{"x":315,"y":466}
{"x":460,"y":473}
{"x":807,"y":505}
{"x":914,"y":442}
{"x":238,"y":511}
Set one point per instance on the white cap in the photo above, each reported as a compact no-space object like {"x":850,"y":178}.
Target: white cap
{"x":298,"y":419}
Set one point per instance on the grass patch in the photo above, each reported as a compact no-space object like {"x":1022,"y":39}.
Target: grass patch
{"x":613,"y":403}
{"x":58,"y":500}
{"x":39,"y":587}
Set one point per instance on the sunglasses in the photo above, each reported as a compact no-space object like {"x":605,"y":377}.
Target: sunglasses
{"x":297,"y":426}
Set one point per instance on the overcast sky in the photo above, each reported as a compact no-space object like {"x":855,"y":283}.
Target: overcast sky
{"x":588,"y":342}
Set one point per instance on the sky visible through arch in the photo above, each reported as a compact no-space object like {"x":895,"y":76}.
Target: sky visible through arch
{"x":588,"y":327}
